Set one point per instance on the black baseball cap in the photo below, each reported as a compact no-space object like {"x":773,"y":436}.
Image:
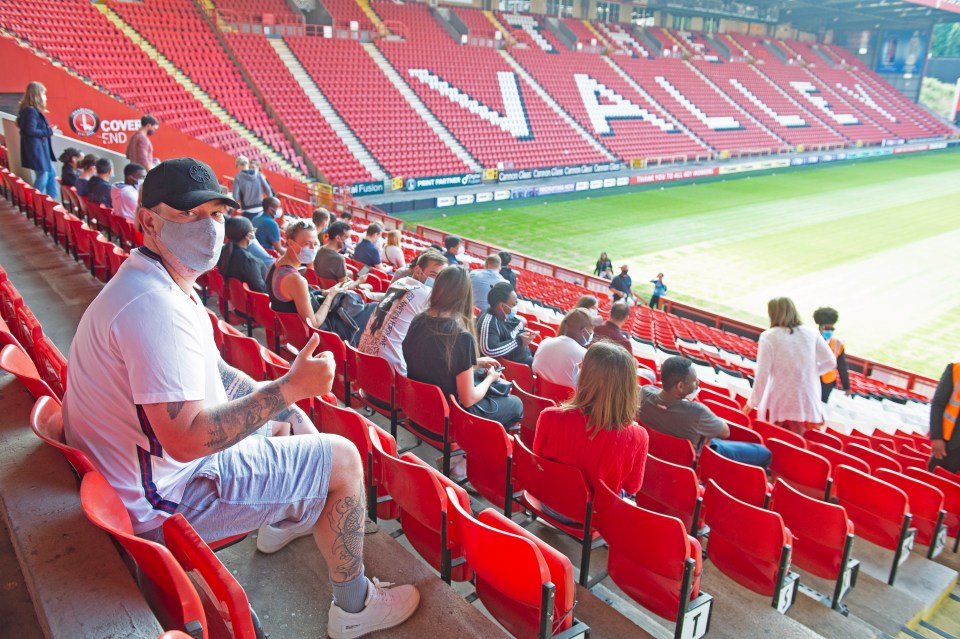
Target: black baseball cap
{"x":183,"y":184}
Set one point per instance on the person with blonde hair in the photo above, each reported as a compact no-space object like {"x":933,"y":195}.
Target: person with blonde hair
{"x":597,"y":431}
{"x":790,"y":360}
{"x":393,"y":253}
{"x":36,"y":146}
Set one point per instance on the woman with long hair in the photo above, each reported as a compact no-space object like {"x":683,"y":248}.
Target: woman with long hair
{"x":287,"y":288}
{"x":597,"y":431}
{"x":604,"y":266}
{"x":69,"y":172}
{"x":441,"y":349}
{"x":393,"y":253}
{"x":36,"y":147}
{"x":790,"y":360}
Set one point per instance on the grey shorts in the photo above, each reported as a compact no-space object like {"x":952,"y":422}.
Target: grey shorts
{"x":260,"y":480}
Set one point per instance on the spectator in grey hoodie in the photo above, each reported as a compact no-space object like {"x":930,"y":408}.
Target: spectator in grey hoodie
{"x":249,"y":189}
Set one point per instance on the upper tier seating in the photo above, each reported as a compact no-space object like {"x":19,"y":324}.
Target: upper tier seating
{"x":78,"y":35}
{"x":478,"y":24}
{"x":392,"y":131}
{"x":584,"y":35}
{"x":320,"y":143}
{"x":178,"y":31}
{"x":346,"y":11}
{"x":528,"y":133}
{"x":619,"y":35}
{"x":256,"y":9}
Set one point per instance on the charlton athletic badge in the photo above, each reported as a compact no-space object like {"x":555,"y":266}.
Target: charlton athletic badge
{"x":84,"y":122}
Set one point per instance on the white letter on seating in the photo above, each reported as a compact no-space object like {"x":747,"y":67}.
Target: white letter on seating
{"x":618,"y":107}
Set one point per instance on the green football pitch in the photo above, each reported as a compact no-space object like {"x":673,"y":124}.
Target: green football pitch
{"x":879,"y":241}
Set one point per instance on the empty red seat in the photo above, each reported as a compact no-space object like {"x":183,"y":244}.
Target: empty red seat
{"x":742,"y":481}
{"x":807,"y":472}
{"x":489,"y":456}
{"x":874,"y":459}
{"x":951,"y":498}
{"x":673,"y":490}
{"x":926,"y":508}
{"x":671,"y":449}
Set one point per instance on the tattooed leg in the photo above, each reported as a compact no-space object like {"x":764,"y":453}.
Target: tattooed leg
{"x":339,"y":531}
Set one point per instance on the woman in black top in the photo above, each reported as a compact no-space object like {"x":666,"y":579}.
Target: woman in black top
{"x":604,"y":266}
{"x":441,"y":349}
{"x":236,"y":261}
{"x":69,"y":173}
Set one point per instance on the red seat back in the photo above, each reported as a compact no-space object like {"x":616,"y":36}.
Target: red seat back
{"x":727,"y":413}
{"x":648,"y":553}
{"x":874,"y":459}
{"x":374,"y":379}
{"x":52,"y":365}
{"x":295,"y":331}
{"x":546,"y":482}
{"x":27,"y":330}
{"x":10,"y":301}
{"x":550,"y":390}
{"x":520,"y":374}
{"x":766,"y":430}
{"x":671,"y":449}
{"x":925,"y":501}
{"x":263,"y":315}
{"x":490,"y":452}
{"x":243,"y":352}
{"x":16,"y":362}
{"x":951,"y":495}
{"x":426,"y":407}
{"x":904,"y":459}
{"x":837,"y":457}
{"x":876,"y":507}
{"x":746,"y":542}
{"x":807,"y":472}
{"x":332,"y":342}
{"x":46,"y":421}
{"x":819,"y":530}
{"x":822,"y":437}
{"x":512,"y":567}
{"x":533,"y":405}
{"x":742,"y":481}
{"x":167,"y":586}
{"x":673,"y":490}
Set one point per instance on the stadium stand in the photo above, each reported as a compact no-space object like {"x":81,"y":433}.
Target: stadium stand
{"x":258,"y":9}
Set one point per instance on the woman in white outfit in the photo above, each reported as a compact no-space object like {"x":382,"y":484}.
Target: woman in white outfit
{"x":790,"y":360}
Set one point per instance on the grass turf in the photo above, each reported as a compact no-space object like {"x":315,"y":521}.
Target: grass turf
{"x":877,"y":240}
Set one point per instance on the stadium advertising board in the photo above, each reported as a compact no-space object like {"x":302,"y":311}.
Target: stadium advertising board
{"x":516,"y":175}
{"x":441,"y":181}
{"x":902,"y":51}
{"x":362,"y":188}
{"x":669,"y":176}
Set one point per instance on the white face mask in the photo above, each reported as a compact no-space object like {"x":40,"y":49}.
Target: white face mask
{"x":306,"y":254}
{"x":196,"y":244}
{"x":278,"y":214}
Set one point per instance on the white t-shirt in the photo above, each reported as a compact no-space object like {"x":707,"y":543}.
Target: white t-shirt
{"x":141,"y":341}
{"x":557,"y":358}
{"x":124,"y":198}
{"x":387,"y":341}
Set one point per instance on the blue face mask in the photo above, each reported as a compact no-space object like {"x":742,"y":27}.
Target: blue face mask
{"x":826,"y":334}
{"x":513,"y":311}
{"x":429,"y":282}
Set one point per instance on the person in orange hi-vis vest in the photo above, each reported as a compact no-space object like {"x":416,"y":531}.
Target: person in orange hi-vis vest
{"x":826,"y":319}
{"x":944,"y":408}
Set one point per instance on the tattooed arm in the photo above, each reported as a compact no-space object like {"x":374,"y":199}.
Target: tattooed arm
{"x":238,"y":384}
{"x":191,"y":430}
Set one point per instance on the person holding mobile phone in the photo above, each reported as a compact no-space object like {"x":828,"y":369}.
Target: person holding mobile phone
{"x":501,"y":332}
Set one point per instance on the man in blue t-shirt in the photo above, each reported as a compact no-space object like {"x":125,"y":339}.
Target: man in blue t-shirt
{"x":266,"y":225}
{"x":367,"y":250}
{"x":659,"y":290}
{"x":621,"y":286}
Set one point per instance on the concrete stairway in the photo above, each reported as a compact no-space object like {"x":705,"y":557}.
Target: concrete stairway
{"x":326,"y":110}
{"x":417,"y":105}
{"x":208,"y":9}
{"x":553,"y":104}
{"x":194,"y":89}
{"x":507,"y":37}
{"x":601,"y":39}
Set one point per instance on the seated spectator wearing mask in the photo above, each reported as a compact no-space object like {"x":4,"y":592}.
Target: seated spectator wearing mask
{"x":404,"y":299}
{"x":500,"y":332}
{"x":367,"y":251}
{"x":454,"y":248}
{"x":330,"y":263}
{"x":671,"y":412}
{"x":88,"y":167}
{"x":288,"y":290}
{"x":124,"y":195}
{"x":99,"y":189}
{"x":612,"y":329}
{"x":596,"y":431}
{"x":558,"y":358}
{"x":249,"y":188}
{"x":267,"y":224}
{"x":236,"y":261}
{"x":483,"y":279}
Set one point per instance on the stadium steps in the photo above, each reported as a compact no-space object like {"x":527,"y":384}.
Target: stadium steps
{"x":734,"y":104}
{"x":718,"y":45}
{"x":507,"y":36}
{"x":194,"y":89}
{"x":553,"y":104}
{"x":602,"y":39}
{"x":776,"y":51}
{"x":373,"y":17}
{"x":326,"y":110}
{"x":639,"y":89}
{"x":823,"y":55}
{"x":650,"y":43}
{"x":210,"y":11}
{"x":800,"y":107}
{"x":417,"y":105}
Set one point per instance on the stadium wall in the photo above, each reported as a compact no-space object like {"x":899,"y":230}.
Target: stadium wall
{"x":86,"y":114}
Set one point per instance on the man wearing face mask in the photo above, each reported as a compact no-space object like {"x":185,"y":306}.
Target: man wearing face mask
{"x":404,"y":299}
{"x":267,"y":224}
{"x":176,"y":430}
{"x":500,"y":332}
{"x":826,"y":319}
{"x":124,"y":194}
{"x":140,"y":149}
{"x":330,"y":263}
{"x":671,"y":411}
{"x":558,"y":358}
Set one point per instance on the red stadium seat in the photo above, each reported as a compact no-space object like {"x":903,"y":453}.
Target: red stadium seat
{"x":822,"y":539}
{"x":741,"y":481}
{"x":671,"y":449}
{"x":751,"y":546}
{"x":670,"y":489}
{"x":427,"y":416}
{"x":16,"y":362}
{"x":926,"y":508}
{"x":52,"y":365}
{"x":874,"y":459}
{"x":559,"y":393}
{"x":489,"y":456}
{"x":533,"y":405}
{"x":805,"y":471}
{"x":243,"y":353}
{"x":836,"y":458}
{"x":519,"y":374}
{"x":373,"y":384}
{"x":951,"y":498}
{"x":767,"y":430}
{"x":822,"y":437}
{"x":727,"y":413}
{"x":46,"y":421}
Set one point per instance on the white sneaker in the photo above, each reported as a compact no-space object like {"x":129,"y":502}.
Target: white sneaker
{"x":385,"y":607}
{"x":270,"y":539}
